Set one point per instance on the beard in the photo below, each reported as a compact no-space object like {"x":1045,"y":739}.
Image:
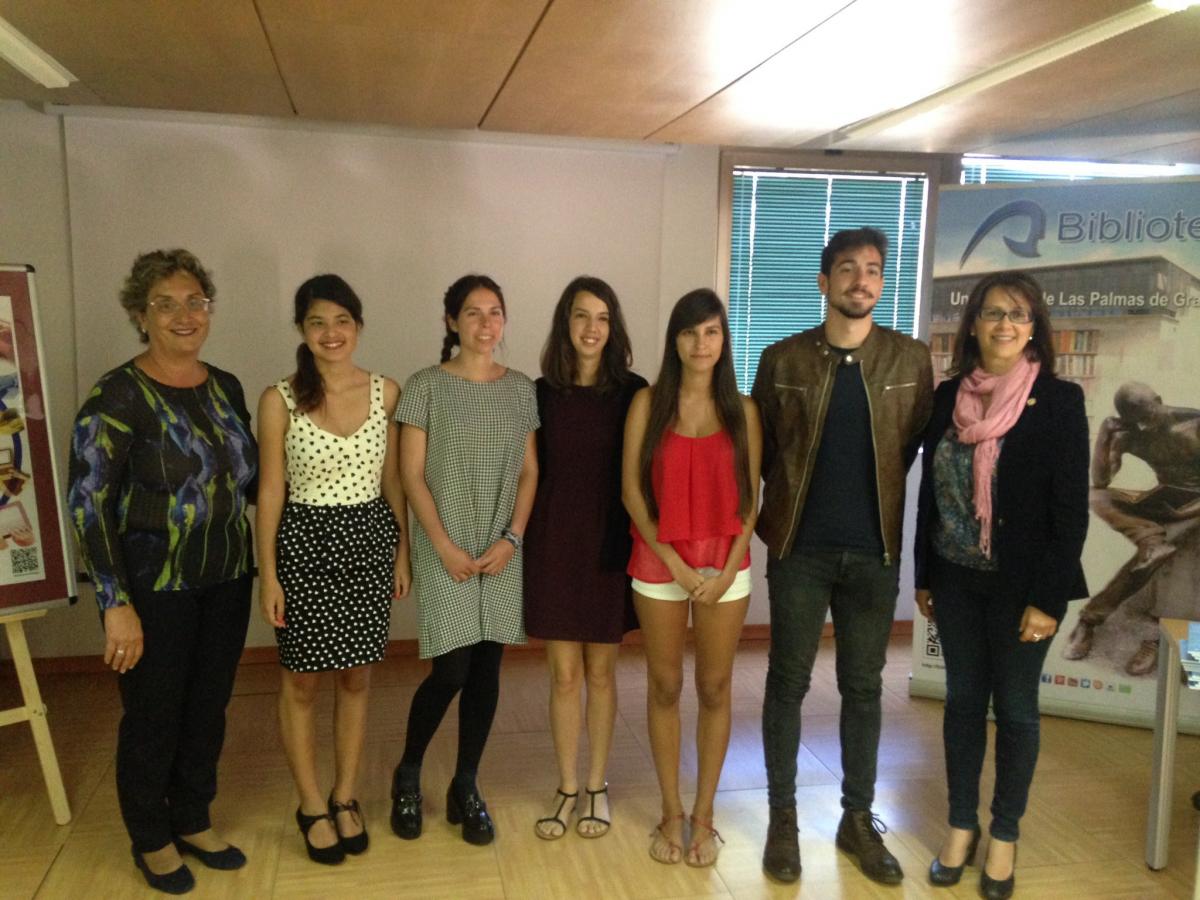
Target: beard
{"x":854,"y":309}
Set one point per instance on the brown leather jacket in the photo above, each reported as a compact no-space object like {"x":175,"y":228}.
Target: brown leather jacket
{"x":792,"y":389}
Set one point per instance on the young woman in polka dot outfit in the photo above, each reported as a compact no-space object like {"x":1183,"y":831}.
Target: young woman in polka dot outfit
{"x":332,"y":548}
{"x":469,"y":465}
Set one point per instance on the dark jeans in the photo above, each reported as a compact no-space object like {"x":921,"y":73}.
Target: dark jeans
{"x":860,"y":592}
{"x":985,"y":660}
{"x":174,"y":701}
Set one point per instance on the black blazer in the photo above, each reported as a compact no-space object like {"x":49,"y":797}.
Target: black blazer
{"x":1040,"y":513}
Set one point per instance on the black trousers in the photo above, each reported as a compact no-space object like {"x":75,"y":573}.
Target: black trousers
{"x":174,"y":708}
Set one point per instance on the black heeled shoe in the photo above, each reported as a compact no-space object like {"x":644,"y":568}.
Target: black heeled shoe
{"x":357,"y":843}
{"x":178,"y":882}
{"x":326,"y":856}
{"x":226,"y":860}
{"x":406,"y":807}
{"x":945,"y":876}
{"x":993,"y":889}
{"x":471,"y":812}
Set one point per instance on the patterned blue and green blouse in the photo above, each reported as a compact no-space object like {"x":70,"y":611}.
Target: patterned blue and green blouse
{"x":956,"y":536}
{"x":160,"y":478}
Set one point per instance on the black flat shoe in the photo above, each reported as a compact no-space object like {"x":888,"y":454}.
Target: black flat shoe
{"x":472,"y":813}
{"x":227,"y":860}
{"x":406,"y":808}
{"x":993,"y":889}
{"x":178,"y":882}
{"x":326,"y":856}
{"x":942,"y":875}
{"x":355,"y":844}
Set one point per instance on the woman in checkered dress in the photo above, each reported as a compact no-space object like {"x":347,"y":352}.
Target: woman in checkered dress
{"x":469,"y":467}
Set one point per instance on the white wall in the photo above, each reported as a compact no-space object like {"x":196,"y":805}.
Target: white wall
{"x":399,"y":214}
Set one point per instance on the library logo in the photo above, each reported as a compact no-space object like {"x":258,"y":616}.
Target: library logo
{"x":1024,"y":209}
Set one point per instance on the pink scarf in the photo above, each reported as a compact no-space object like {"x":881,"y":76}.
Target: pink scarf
{"x":1009,"y":393}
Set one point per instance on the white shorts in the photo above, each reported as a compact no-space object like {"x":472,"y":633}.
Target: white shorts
{"x":672,"y":590}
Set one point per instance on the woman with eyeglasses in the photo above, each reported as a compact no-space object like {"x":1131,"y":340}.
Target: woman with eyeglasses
{"x":1002,"y":516}
{"x":163,"y":464}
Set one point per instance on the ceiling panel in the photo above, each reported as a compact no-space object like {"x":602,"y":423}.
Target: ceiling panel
{"x":421,"y":63}
{"x":1139,"y":67}
{"x":624,"y":68}
{"x":1144,"y":130}
{"x":209,"y":56}
{"x":874,"y":56}
{"x":1183,"y":152}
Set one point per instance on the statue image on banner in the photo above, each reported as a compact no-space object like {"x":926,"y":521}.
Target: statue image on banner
{"x":1162,"y":521}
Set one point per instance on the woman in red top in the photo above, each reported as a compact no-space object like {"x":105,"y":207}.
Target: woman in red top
{"x":690,"y":473}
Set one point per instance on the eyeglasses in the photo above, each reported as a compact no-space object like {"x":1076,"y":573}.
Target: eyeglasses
{"x":1016,"y":316}
{"x":169,"y":306}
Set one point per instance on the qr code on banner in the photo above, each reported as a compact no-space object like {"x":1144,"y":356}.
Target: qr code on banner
{"x":933,"y":647}
{"x":25,"y":560}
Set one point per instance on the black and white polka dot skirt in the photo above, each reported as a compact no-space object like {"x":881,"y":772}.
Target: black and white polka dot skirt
{"x":336,"y":566}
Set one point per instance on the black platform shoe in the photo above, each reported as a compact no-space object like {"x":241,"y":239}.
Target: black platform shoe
{"x":945,"y":876}
{"x":355,"y":844}
{"x":227,"y":860}
{"x":471,"y":812}
{"x":326,"y":856}
{"x":406,"y":807}
{"x":994,"y":889}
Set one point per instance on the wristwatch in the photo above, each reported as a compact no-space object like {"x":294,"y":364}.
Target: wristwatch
{"x":512,"y":537}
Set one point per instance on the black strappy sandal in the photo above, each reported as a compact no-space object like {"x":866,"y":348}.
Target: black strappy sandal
{"x":592,"y":817}
{"x":557,"y":818}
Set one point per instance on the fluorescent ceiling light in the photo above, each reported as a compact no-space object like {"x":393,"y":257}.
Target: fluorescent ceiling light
{"x":1176,"y":5}
{"x":31,"y":60}
{"x":1019,"y":65}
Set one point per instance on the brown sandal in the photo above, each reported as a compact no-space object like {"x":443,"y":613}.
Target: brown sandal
{"x":672,"y":847}
{"x":696,"y":842}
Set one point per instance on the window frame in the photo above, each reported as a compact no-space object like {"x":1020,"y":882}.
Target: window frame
{"x":937,"y":169}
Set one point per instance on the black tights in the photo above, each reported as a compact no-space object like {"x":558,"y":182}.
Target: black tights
{"x":474,"y":670}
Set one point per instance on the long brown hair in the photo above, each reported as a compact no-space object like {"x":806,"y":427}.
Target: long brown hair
{"x":967,"y":358}
{"x":693,"y":308}
{"x":307,"y":384}
{"x":560,"y":364}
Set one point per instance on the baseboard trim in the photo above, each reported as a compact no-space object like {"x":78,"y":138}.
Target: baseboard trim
{"x":89,"y":665}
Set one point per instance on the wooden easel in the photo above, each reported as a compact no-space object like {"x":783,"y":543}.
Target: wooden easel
{"x":34,"y":712}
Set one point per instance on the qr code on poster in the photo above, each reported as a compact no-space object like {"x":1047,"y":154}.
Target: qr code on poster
{"x":25,"y":560}
{"x":933,"y":647}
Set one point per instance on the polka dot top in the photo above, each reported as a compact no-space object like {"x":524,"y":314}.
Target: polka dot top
{"x":326,"y":469}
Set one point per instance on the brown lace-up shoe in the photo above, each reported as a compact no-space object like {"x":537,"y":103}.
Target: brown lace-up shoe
{"x":781,"y":857}
{"x":860,"y":835}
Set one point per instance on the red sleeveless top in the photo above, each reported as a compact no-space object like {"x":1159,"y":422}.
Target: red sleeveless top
{"x":697,"y":496}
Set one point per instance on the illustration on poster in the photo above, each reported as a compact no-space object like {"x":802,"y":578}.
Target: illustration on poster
{"x":1162,"y":521}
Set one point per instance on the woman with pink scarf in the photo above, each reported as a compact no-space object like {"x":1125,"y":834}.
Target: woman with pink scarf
{"x":1001,"y":520}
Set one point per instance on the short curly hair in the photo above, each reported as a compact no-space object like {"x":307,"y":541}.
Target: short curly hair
{"x":150,"y":268}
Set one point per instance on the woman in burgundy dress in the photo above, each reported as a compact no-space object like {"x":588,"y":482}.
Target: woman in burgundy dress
{"x":577,"y":543}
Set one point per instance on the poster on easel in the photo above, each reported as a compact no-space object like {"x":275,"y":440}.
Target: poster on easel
{"x":1119,"y":265}
{"x":35,"y":565}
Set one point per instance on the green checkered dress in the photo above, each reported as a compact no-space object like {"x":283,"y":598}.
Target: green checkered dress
{"x":475,"y":445}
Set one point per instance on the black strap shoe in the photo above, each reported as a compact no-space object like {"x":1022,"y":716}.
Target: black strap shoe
{"x":355,"y":844}
{"x":471,"y":812}
{"x":781,"y":857}
{"x":326,"y":856}
{"x":860,"y":834}
{"x":942,"y":875}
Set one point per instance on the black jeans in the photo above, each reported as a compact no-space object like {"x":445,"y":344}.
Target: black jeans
{"x":174,"y":701}
{"x":985,"y":660}
{"x":860,"y":592}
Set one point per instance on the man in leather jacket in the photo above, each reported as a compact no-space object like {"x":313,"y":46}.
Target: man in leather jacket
{"x":843,"y":407}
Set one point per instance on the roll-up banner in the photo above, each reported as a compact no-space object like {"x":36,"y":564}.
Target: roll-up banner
{"x":1119,"y":263}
